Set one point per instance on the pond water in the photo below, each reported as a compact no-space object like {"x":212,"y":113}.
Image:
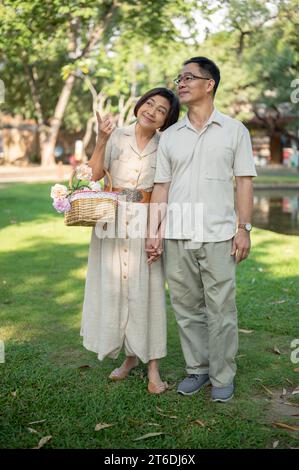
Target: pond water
{"x":277,"y":210}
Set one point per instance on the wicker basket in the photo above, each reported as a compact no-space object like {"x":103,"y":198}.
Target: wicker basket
{"x":90,"y":207}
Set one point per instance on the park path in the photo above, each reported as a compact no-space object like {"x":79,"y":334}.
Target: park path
{"x":14,"y":174}
{"x":61,"y":173}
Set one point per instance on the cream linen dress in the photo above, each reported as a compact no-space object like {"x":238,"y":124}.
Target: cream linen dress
{"x":124,"y":301}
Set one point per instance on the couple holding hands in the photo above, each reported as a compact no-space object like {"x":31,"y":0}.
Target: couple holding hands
{"x":162,"y":162}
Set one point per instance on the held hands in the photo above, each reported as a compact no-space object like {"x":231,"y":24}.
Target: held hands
{"x":154,"y":249}
{"x":105,"y":126}
{"x":241,"y":245}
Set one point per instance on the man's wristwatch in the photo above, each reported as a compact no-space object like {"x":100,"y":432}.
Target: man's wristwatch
{"x":246,"y":226}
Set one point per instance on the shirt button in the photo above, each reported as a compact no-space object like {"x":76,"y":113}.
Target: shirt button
{"x":125,"y":277}
{"x":125,"y":250}
{"x":137,"y":171}
{"x":125,"y":264}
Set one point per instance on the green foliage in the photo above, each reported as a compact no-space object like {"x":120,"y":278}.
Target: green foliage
{"x":142,"y":46}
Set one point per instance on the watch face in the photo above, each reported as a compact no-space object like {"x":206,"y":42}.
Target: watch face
{"x":248,"y":227}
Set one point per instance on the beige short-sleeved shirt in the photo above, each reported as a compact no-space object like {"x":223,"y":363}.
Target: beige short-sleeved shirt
{"x":201,"y":166}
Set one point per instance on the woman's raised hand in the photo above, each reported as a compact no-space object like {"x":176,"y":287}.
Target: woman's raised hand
{"x":105,"y":126}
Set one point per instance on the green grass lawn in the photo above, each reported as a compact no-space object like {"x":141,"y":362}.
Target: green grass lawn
{"x":276,"y":179}
{"x":43,"y":266}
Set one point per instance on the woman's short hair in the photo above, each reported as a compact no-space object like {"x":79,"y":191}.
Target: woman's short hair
{"x":174,"y":111}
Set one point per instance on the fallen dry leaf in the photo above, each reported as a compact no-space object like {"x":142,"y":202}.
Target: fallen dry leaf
{"x":267,"y":390}
{"x":286,"y":426}
{"x":277,"y":302}
{"x":296,"y":414}
{"x":297,"y":369}
{"x":201,"y":423}
{"x":152,"y":424}
{"x":33,"y":431}
{"x":85,"y":366}
{"x":284,"y":392}
{"x":42,"y":442}
{"x":275,"y":444}
{"x":14,"y":394}
{"x":37,"y":422}
{"x":151,"y":434}
{"x":295,"y":391}
{"x":248,"y":332}
{"x":100,"y":426}
{"x":290,"y":404}
{"x":290,"y":382}
{"x":167,"y":416}
{"x":162,"y":413}
{"x":276,"y":350}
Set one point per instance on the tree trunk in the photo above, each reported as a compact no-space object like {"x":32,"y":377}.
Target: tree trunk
{"x":48,"y":145}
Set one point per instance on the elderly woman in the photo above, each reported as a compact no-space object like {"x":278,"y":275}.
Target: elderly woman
{"x":124,"y":302}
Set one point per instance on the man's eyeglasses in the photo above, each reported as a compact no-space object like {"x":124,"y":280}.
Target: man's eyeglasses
{"x":188,"y":78}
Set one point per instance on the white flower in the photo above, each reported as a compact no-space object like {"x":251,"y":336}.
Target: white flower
{"x":95,"y":186}
{"x":84,"y":172}
{"x":58,"y":191}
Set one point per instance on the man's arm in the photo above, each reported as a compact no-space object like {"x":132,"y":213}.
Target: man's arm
{"x":241,"y":243}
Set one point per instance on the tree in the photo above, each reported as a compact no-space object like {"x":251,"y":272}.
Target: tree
{"x":39,"y":41}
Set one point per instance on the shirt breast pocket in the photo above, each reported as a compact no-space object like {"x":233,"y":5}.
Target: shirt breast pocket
{"x":219,"y":163}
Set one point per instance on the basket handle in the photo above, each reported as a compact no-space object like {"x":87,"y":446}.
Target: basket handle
{"x":106,"y":172}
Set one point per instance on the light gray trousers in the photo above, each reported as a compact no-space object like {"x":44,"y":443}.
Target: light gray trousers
{"x":202,"y":292}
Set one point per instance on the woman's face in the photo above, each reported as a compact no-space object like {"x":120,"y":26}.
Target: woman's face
{"x":152,"y":114}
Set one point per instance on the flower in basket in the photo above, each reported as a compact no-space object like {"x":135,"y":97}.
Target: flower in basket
{"x":95,"y":186}
{"x":84,"y":172}
{"x":62,"y":204}
{"x":80,"y":183}
{"x":59,"y":191}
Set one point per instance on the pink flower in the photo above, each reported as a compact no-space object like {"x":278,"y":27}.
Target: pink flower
{"x":84,"y":172}
{"x":58,"y":191}
{"x":62,"y":204}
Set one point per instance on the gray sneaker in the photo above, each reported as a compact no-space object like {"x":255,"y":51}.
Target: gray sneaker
{"x":223,"y":394}
{"x":193,"y":383}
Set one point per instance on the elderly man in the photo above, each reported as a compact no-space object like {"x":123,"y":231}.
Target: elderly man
{"x":196,"y":162}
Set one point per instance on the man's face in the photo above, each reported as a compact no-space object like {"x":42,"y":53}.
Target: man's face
{"x":194,"y":85}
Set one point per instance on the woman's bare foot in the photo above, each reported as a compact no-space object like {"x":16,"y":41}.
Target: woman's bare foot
{"x":123,"y":371}
{"x":155,"y":383}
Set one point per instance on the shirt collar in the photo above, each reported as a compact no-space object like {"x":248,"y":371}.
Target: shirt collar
{"x":216,"y":117}
{"x":151,"y":146}
{"x":129,"y":130}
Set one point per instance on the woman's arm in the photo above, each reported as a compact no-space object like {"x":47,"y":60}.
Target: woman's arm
{"x":156,"y":221}
{"x":105,"y":129}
